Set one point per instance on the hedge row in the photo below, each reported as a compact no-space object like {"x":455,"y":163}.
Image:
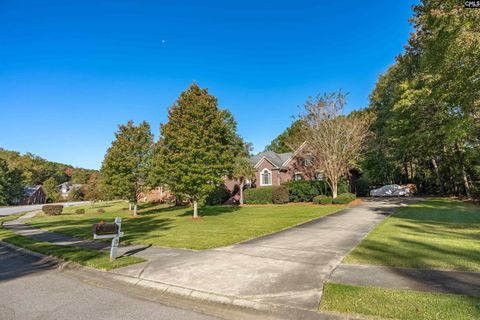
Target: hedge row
{"x":52,"y":209}
{"x":264,"y":195}
{"x":344,"y":198}
{"x":306,"y":190}
{"x":322,"y":199}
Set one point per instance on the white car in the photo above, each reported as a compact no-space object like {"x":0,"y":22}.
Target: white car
{"x":391,"y":190}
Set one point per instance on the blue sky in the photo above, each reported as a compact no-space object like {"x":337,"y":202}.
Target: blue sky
{"x":71,"y":71}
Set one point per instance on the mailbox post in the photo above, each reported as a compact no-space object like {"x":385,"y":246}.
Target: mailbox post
{"x":104,"y":230}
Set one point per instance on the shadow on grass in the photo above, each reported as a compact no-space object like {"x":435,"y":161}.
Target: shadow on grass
{"x":433,"y":234}
{"x":209,"y":211}
{"x":139,"y":228}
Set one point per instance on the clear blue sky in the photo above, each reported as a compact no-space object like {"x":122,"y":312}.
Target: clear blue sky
{"x":71,"y":71}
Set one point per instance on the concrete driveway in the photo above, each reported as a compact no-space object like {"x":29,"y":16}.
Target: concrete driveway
{"x":6,"y":211}
{"x":288,"y":267}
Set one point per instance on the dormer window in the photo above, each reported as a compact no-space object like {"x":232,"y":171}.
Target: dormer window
{"x":266,"y":177}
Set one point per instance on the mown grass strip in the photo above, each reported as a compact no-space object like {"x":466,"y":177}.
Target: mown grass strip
{"x":398,"y":304}
{"x":85,"y":257}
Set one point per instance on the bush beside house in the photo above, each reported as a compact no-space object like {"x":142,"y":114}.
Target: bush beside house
{"x":265,"y":195}
{"x":322,"y":199}
{"x":305,"y":190}
{"x":344,"y":198}
{"x":280,"y":195}
{"x":218,"y":196}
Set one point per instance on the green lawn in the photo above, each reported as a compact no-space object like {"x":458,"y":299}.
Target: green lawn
{"x":437,"y":234}
{"x":161,"y":225}
{"x":90,"y":258}
{"x":398,"y":304}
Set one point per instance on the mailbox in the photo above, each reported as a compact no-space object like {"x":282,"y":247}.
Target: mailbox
{"x":103,"y":228}
{"x":112,"y":231}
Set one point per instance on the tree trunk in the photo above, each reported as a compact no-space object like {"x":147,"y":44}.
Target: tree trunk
{"x":129,"y":206}
{"x":334,"y":190}
{"x":439,"y":177}
{"x":241,"y":193}
{"x":465,"y":181}
{"x":464,"y":172}
{"x":195,"y":209}
{"x":135,"y":210}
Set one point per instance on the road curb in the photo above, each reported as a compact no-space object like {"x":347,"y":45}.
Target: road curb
{"x":205,"y":302}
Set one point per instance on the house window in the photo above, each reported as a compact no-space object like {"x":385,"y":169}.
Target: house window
{"x":318,"y":176}
{"x":298,"y":176}
{"x":266,"y":178}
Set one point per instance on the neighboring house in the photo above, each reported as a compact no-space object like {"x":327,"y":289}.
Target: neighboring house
{"x":155,"y":195}
{"x":33,"y":195}
{"x":66,"y":187}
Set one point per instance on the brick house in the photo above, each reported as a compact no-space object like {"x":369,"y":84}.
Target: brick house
{"x":273,"y":169}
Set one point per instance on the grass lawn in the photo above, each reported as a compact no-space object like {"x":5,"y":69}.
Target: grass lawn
{"x":90,"y":258}
{"x":398,"y":304}
{"x":160,"y":225}
{"x":434,"y":234}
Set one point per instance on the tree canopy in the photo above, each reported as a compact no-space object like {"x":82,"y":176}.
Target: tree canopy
{"x":126,"y":165}
{"x":197,"y":145}
{"x":427,"y":105}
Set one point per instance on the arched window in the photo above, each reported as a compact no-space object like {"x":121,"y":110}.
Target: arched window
{"x":266,"y":177}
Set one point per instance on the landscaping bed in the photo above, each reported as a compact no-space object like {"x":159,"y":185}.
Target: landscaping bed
{"x":162,"y":225}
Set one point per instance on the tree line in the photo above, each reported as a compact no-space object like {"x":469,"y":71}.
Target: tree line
{"x":196,"y":150}
{"x":18,"y":171}
{"x":425,"y":109}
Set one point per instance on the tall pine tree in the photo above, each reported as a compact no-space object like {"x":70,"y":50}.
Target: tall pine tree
{"x":197,"y":146}
{"x":126,"y":165}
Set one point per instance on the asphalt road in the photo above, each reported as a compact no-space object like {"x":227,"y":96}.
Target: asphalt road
{"x":6,"y":211}
{"x":32,"y":288}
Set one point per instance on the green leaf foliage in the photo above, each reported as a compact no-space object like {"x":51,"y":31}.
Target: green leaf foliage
{"x":323,"y":199}
{"x":197,"y":145}
{"x":126,"y":165}
{"x":427,"y":127}
{"x":344,"y":198}
{"x":261,"y":195}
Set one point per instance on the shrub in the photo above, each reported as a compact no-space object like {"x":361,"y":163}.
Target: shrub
{"x":80,"y":211}
{"x":259,"y":195}
{"x":306,"y":190}
{"x":343,"y":186}
{"x":280,"y":195}
{"x":52,"y":209}
{"x":361,"y":187}
{"x":218,"y":196}
{"x":322,"y":199}
{"x":344,"y":198}
{"x":101,"y":210}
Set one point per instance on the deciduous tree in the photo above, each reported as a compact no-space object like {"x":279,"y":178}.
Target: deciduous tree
{"x":197,"y":146}
{"x":126,"y":165}
{"x":333,"y":142}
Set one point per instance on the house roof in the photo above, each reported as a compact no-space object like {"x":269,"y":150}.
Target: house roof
{"x":29,"y":191}
{"x":277,"y":159}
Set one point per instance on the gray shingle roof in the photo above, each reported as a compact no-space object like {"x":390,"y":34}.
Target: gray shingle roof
{"x":278,"y":159}
{"x":29,"y":191}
